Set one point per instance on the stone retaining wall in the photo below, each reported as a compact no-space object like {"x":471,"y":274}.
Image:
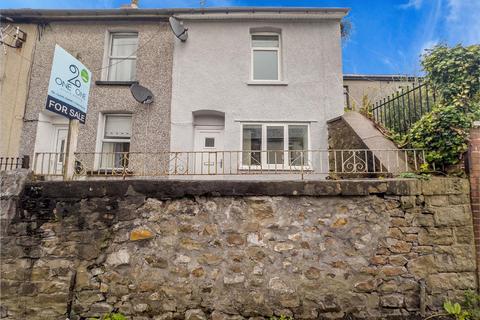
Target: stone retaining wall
{"x":227,"y":250}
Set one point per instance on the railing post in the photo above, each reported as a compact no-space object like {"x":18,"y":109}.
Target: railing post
{"x":69,"y":166}
{"x":26,"y":162}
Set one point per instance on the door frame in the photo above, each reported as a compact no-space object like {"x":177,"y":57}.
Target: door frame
{"x":198,"y":147}
{"x":57,"y":128}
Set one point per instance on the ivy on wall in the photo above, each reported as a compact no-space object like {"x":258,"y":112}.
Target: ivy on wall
{"x":454,"y":72}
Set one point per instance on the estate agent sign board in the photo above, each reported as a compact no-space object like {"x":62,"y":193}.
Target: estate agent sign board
{"x":69,"y":86}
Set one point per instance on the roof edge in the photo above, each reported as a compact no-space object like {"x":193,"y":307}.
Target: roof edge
{"x":35,"y":15}
{"x":381,"y":77}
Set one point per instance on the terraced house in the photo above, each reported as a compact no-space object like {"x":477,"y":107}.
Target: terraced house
{"x":120,"y":47}
{"x":249,"y":91}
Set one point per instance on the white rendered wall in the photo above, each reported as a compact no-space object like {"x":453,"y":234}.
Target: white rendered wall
{"x":211,"y":70}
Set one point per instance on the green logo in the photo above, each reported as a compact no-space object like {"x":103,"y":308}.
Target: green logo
{"x":84,"y":75}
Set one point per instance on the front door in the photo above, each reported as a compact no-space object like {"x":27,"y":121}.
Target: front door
{"x":60,"y":147}
{"x":209,"y":158}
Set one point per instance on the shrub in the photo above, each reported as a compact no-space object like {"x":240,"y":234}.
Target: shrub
{"x":455,"y":310}
{"x":454,"y":73}
{"x":443,"y":132}
{"x":468,"y":309}
{"x":471,"y":304}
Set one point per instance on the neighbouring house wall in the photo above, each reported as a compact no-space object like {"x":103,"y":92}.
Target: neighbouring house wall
{"x":373,"y":90}
{"x":342,"y":136}
{"x":173,"y":249}
{"x":212,"y":68}
{"x":87,"y":40}
{"x":15,"y":66}
{"x":474,"y":174}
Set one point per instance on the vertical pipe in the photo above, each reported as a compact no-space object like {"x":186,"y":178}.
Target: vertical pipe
{"x":423,"y":299}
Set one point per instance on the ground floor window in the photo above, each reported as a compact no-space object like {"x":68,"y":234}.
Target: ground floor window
{"x":115,"y":144}
{"x":275,"y":145}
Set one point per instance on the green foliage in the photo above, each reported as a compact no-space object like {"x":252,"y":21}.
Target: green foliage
{"x":455,"y":310}
{"x":110,"y":316}
{"x":365,"y":108}
{"x":411,"y":175}
{"x":443,"y":132}
{"x":453,"y":72}
{"x":471,"y":303}
{"x":468,"y":309}
{"x":282,"y":317}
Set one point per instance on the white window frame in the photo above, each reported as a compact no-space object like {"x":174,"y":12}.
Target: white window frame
{"x":280,"y":167}
{"x":101,"y":139}
{"x":108,"y":52}
{"x":279,"y":55}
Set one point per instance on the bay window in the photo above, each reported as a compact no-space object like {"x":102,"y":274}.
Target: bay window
{"x":275,"y":146}
{"x":266,"y":57}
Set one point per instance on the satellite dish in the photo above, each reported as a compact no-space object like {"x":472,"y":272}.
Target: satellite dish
{"x":178,"y":29}
{"x":141,"y":94}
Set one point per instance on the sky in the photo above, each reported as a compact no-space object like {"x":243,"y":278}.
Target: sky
{"x":387,"y":36}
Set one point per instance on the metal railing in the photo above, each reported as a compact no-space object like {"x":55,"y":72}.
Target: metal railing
{"x":12,"y":163}
{"x":399,"y":111}
{"x":342,"y":163}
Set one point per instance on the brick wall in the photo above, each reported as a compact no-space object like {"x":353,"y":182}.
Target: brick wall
{"x":474,"y":169}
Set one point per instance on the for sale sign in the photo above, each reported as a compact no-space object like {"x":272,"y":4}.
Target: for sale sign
{"x":69,"y":86}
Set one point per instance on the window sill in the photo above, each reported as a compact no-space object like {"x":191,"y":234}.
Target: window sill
{"x":266,"y":83}
{"x":115,"y":83}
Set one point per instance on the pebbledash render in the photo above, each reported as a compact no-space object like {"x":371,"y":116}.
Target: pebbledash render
{"x":120,"y":47}
{"x":261,"y":82}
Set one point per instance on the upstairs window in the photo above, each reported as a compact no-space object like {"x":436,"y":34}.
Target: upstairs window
{"x":122,"y":58}
{"x":266,"y":57}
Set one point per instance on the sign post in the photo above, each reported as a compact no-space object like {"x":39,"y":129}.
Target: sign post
{"x":72,"y":138}
{"x":68,"y":91}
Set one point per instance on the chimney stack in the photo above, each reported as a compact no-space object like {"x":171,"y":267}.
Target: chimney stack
{"x":133,"y":5}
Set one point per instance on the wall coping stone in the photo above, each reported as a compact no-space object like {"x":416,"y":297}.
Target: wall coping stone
{"x":169,"y":189}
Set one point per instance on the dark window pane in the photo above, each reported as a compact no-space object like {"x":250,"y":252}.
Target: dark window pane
{"x":297,"y":144}
{"x":209,"y":142}
{"x":252,"y":141}
{"x":275,"y":141}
